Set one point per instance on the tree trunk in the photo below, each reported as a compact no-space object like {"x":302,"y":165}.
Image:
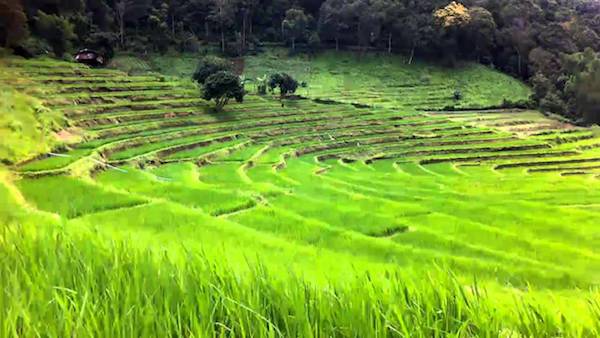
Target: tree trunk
{"x":412,"y":54}
{"x":519,"y":62}
{"x":243,"y":47}
{"x":206,"y":30}
{"x":390,"y":43}
{"x":122,"y":32}
{"x":222,"y":39}
{"x":337,"y":44}
{"x":173,"y":25}
{"x":293,"y":44}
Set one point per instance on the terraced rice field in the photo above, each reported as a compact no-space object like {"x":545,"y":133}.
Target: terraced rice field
{"x":506,"y":195}
{"x":387,"y":81}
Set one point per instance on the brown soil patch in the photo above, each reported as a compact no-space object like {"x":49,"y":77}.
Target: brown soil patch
{"x":69,"y":136}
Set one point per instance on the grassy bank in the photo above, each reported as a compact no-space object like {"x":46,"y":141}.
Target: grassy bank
{"x":55,"y":284}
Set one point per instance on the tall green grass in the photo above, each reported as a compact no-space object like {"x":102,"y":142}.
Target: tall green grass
{"x":59,"y":285}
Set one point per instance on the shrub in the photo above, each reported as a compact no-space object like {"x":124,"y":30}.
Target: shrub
{"x":286,"y":83}
{"x":209,"y":65}
{"x":457,"y":95}
{"x":223,"y":86}
{"x":261,"y":84}
{"x":553,"y":103}
{"x":31,"y":47}
{"x":425,"y":79}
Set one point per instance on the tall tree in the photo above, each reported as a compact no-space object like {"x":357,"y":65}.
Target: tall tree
{"x":333,"y":20}
{"x":481,"y":31}
{"x":370,"y":19}
{"x":584,"y":84}
{"x":295,"y":25}
{"x":222,"y":13}
{"x":13,"y":22}
{"x":56,"y":30}
{"x":391,"y":14}
{"x":130,"y":11}
{"x":452,"y":20}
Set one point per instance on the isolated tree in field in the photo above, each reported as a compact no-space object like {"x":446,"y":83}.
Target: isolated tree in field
{"x":295,"y":25}
{"x":13,"y":22}
{"x":209,"y":65}
{"x":285,"y":83}
{"x":223,"y":86}
{"x":56,"y":30}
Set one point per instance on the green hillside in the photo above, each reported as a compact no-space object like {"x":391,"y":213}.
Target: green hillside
{"x":376,"y":213}
{"x":388,"y":81}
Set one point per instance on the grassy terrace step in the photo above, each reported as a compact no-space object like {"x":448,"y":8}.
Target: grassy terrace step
{"x":87,"y":97}
{"x":110,"y":107}
{"x":132,"y":118}
{"x":317,"y":122}
{"x":542,"y":162}
{"x":191,"y":194}
{"x":460,"y":141}
{"x":155,"y":147}
{"x":495,"y":156}
{"x":425,"y":150}
{"x":200,"y":150}
{"x":115,"y":87}
{"x":58,"y":161}
{"x":70,"y":197}
{"x":92,"y":80}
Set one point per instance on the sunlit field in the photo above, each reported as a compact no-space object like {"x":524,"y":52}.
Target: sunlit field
{"x":374,"y":204}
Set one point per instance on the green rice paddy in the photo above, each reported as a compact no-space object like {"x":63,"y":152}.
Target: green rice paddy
{"x":362,"y":209}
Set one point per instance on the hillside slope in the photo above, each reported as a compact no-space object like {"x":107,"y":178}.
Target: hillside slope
{"x":388,"y":81}
{"x":326,"y":191}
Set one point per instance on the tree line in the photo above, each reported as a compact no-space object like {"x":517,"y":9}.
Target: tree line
{"x":541,"y":41}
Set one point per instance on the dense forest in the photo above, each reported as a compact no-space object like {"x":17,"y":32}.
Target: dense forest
{"x":552,"y":44}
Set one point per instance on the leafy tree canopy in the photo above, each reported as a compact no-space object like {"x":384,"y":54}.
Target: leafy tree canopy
{"x":286,"y":83}
{"x":223,"y":86}
{"x":210,"y":65}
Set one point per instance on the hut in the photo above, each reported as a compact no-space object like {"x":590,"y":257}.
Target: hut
{"x":90,"y":58}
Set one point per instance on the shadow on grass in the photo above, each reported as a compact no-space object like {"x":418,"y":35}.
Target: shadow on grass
{"x":224,"y":114}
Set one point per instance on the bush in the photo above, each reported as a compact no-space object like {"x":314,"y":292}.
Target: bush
{"x":553,"y":103}
{"x":223,"y":86}
{"x":314,"y":42}
{"x":285,"y":83}
{"x":210,"y":65}
{"x":425,"y":79}
{"x":261,"y":84}
{"x":457,"y":95}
